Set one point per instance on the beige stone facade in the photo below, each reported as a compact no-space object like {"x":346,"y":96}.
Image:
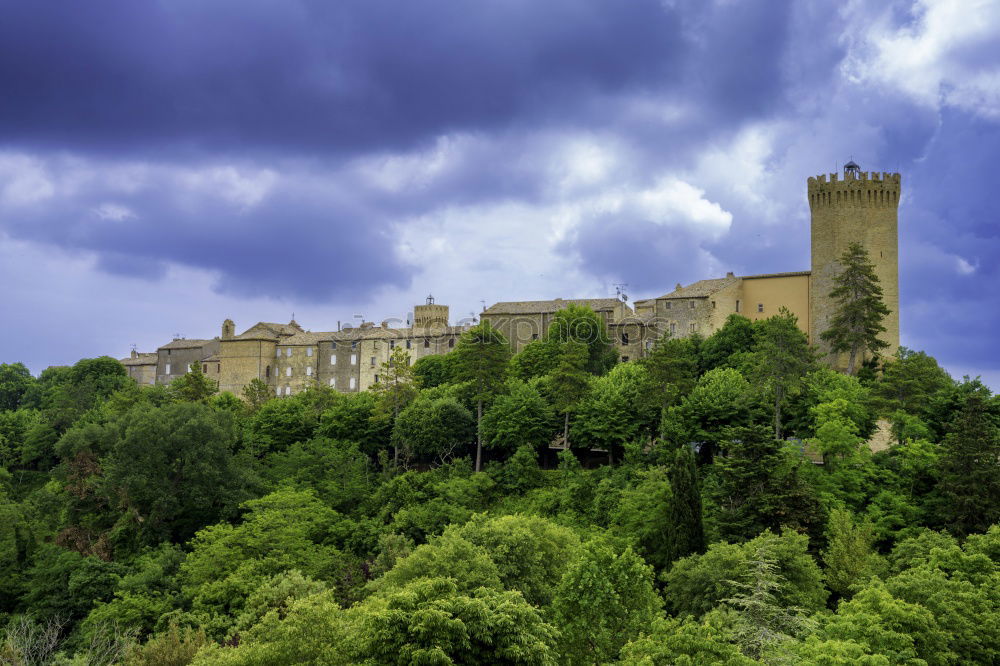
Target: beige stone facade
{"x":861,"y":207}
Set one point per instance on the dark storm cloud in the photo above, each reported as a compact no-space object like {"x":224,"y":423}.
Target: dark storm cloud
{"x":313,"y":245}
{"x":309,"y":75}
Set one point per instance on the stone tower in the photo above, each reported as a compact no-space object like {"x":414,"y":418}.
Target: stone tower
{"x":861,"y":208}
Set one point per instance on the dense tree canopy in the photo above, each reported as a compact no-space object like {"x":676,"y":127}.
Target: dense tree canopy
{"x":719,"y":502}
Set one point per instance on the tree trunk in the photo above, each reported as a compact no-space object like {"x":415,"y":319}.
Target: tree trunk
{"x":479,"y":436}
{"x":395,"y":445}
{"x":566,"y":431}
{"x":852,"y":360}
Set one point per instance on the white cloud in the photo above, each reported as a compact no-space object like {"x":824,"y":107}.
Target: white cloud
{"x":241,"y":187}
{"x":963,"y":267}
{"x":24,"y":180}
{"x":672,"y":201}
{"x":114,"y":212}
{"x":932,"y":59}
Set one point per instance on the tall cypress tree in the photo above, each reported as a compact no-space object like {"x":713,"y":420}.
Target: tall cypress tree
{"x":858,"y":320}
{"x":967,"y":497}
{"x":685,"y":509}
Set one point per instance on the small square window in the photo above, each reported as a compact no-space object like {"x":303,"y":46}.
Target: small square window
{"x":673,"y":328}
{"x":354,"y":359}
{"x":692,"y":327}
{"x":309,"y":351}
{"x":288,"y":390}
{"x":309,"y":371}
{"x":667,"y":305}
{"x":204,"y":367}
{"x":354,"y":382}
{"x":427,"y":343}
{"x":534,"y":336}
{"x":373,"y":361}
{"x":376,"y":379}
{"x":760,"y":307}
{"x":408,"y":344}
{"x":392,"y":344}
{"x":624,"y":338}
{"x":737,"y":305}
{"x":354,"y":345}
{"x":277,"y":352}
{"x":333,"y":359}
{"x":624,"y":359}
{"x":168,"y":369}
{"x":333,"y":382}
{"x":288,"y":352}
{"x":691,"y":303}
{"x":451,"y":342}
{"x":288,"y":371}
{"x":333,"y":345}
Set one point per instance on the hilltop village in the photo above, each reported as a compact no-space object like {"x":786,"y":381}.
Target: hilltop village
{"x":855,"y":206}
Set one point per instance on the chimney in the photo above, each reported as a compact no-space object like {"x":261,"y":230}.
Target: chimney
{"x":730,"y":274}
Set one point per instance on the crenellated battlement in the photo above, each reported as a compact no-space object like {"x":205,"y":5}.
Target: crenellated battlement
{"x":862,"y":189}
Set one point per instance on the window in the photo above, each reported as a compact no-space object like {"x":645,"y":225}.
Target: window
{"x":392,"y":344}
{"x":691,"y":303}
{"x":427,"y":343}
{"x":309,"y":371}
{"x":168,"y":369}
{"x":534,"y":336}
{"x":354,"y":382}
{"x":737,"y":305}
{"x":624,"y":359}
{"x":333,"y":345}
{"x":309,"y":351}
{"x":667,"y":305}
{"x":204,"y":367}
{"x":288,"y":389}
{"x":277,"y":390}
{"x":333,"y":382}
{"x":760,"y":307}
{"x":713,"y":305}
{"x":288,"y":371}
{"x":376,"y":379}
{"x":624,"y":338}
{"x":267,"y":372}
{"x":451,"y":342}
{"x":354,"y":345}
{"x":373,"y":361}
{"x":277,"y":353}
{"x":333,"y":359}
{"x":354,"y":359}
{"x":673,"y":328}
{"x":649,"y":345}
{"x":288,"y":352}
{"x":408,"y":344}
{"x":692,"y":327}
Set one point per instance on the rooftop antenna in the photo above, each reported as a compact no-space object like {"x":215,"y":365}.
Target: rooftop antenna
{"x":620,"y":291}
{"x":178,"y":336}
{"x":484,"y":304}
{"x":133,"y":346}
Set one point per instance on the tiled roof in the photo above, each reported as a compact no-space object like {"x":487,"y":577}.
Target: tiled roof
{"x":214,"y":358}
{"x":548,"y":307}
{"x":307,"y":338}
{"x":184,"y":343}
{"x":271,"y":331}
{"x":379,"y":333}
{"x":141,"y":359}
{"x":701,"y":288}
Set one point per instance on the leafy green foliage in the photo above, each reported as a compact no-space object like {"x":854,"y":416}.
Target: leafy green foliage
{"x":578,"y":323}
{"x":518,"y":417}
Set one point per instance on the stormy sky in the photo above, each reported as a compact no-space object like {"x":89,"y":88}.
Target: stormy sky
{"x":167,"y":164}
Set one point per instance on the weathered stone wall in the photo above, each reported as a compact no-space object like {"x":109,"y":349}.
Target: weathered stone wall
{"x":860,"y":209}
{"x":177,"y":359}
{"x":243,"y":360}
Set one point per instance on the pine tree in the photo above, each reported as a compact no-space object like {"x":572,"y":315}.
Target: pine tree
{"x":968,"y":494}
{"x":481,"y":357}
{"x":858,"y":320}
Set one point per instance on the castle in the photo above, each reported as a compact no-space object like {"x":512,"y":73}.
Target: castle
{"x":860,"y":207}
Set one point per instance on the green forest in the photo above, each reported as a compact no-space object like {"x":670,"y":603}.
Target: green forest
{"x":714,"y":502}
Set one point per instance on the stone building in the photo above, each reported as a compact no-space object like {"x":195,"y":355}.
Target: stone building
{"x":141,"y":366}
{"x":860,"y":207}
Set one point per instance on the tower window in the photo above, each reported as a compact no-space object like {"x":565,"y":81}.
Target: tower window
{"x":737,"y":305}
{"x":373,"y":361}
{"x":760,"y":307}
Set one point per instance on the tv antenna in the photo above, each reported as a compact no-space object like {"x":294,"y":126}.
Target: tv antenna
{"x":620,"y":291}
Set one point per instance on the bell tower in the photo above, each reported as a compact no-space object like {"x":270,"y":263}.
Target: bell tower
{"x":861,"y":208}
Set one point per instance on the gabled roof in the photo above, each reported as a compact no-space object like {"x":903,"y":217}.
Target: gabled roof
{"x":307,"y":338}
{"x":775,"y":275}
{"x":548,"y":307}
{"x":266,"y":330}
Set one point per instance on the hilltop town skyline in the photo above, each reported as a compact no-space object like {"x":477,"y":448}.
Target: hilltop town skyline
{"x":157,"y":177}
